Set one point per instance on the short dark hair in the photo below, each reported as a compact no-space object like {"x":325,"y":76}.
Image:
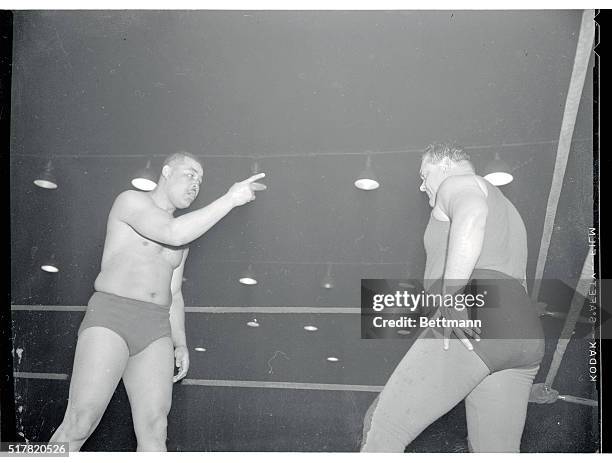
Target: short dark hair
{"x":179,"y":156}
{"x":437,"y":152}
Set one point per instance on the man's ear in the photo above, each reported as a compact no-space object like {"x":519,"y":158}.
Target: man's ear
{"x":166,"y":171}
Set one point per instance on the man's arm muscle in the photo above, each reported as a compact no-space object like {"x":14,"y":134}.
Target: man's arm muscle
{"x":465,"y":204}
{"x":140,"y":212}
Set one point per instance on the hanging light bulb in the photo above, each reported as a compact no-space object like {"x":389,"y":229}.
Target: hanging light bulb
{"x":367,"y":180}
{"x":145,"y":179}
{"x":248,"y":277}
{"x":497,"y":172}
{"x":328,"y":280}
{"x":50,"y":265}
{"x":46,"y":179}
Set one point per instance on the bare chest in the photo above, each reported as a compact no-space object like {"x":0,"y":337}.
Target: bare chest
{"x":170,"y":254}
{"x":122,"y":242}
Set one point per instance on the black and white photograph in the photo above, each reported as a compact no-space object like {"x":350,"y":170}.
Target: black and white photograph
{"x":304,"y":231}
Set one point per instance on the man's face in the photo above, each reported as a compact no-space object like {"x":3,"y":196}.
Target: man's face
{"x":183,"y":182}
{"x":432,"y":176}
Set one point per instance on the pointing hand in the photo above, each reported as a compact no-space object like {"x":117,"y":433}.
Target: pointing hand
{"x":244,"y":192}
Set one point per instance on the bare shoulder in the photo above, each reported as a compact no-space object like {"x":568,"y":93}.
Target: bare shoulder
{"x":130,"y":201}
{"x":132,"y":195}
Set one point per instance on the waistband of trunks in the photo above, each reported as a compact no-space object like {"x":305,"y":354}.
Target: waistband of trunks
{"x":129,"y":302}
{"x":483,"y":276}
{"x":485,"y":273}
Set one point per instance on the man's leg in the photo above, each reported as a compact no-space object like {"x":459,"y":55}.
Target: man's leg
{"x":148,"y":382}
{"x":99,"y":361}
{"x":426,"y":384}
{"x":367,"y":419}
{"x":496,"y":410}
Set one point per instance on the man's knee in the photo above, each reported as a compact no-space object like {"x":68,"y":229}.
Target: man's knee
{"x":152,"y":426}
{"x":80,"y":422}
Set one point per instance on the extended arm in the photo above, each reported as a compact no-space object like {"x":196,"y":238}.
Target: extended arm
{"x":139,"y":212}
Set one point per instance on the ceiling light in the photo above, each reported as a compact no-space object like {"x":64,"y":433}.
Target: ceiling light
{"x":46,"y":179}
{"x":367,"y":180}
{"x":328,"y":280}
{"x":145,"y":179}
{"x":248,"y":277}
{"x":50,"y":265}
{"x":497,"y":172}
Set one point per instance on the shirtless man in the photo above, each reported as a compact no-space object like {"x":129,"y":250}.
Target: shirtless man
{"x":134,"y":327}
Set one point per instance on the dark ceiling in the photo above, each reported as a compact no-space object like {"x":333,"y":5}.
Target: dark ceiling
{"x":307,"y":94}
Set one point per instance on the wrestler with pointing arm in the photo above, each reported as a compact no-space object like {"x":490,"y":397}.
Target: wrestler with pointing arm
{"x":134,"y":327}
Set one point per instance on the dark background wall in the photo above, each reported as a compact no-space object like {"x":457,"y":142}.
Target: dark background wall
{"x":309,"y":95}
{"x":101,"y":92}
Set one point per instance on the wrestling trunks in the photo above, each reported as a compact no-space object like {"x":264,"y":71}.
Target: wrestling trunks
{"x":139,"y":323}
{"x":512,"y":335}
